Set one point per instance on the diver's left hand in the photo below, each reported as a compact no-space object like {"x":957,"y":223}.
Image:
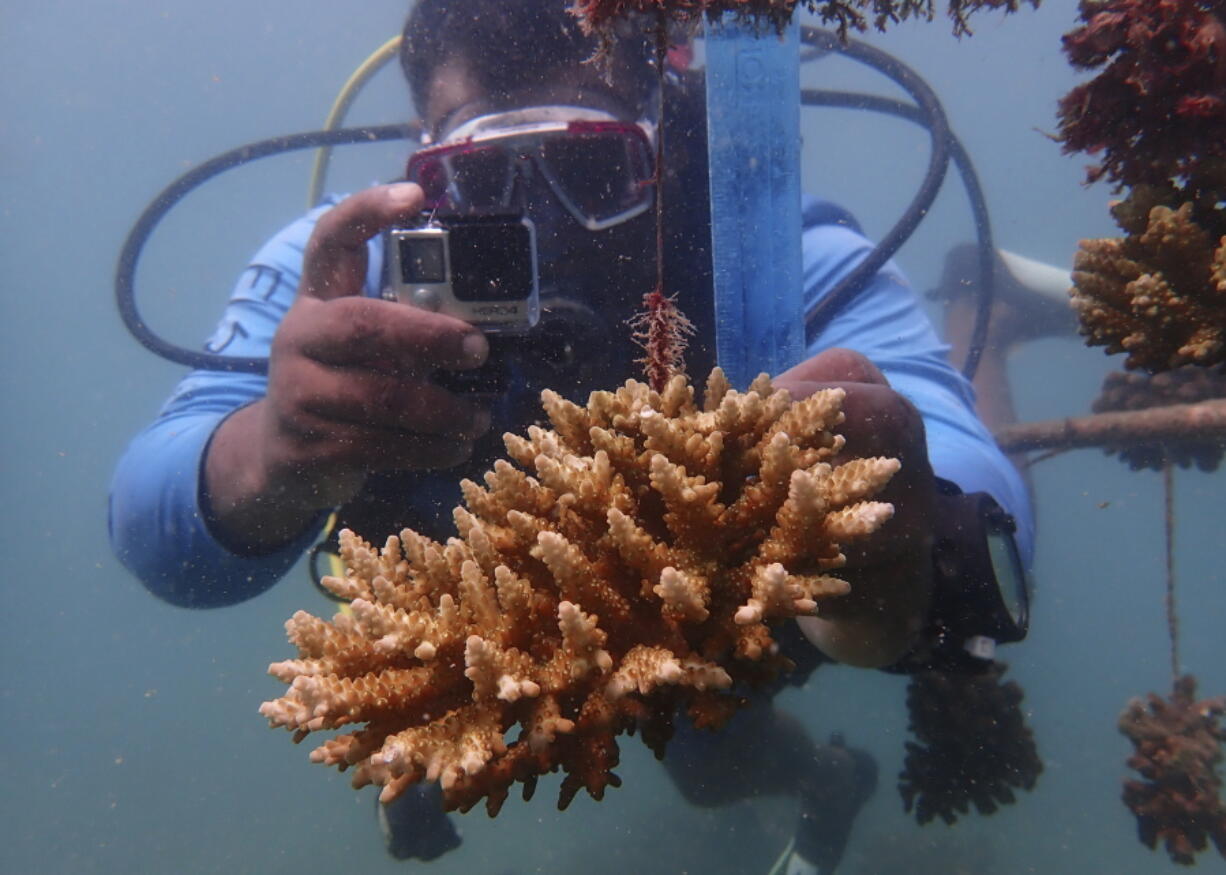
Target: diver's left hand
{"x":890,"y":571}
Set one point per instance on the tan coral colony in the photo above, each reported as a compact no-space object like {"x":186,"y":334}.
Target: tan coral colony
{"x":628,"y":569}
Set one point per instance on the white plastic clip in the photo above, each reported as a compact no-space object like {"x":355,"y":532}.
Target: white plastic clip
{"x":980,"y":647}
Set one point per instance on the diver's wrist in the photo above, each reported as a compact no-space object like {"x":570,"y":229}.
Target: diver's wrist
{"x":243,"y":507}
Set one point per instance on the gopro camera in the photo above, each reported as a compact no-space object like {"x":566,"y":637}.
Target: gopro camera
{"x":482,"y":269}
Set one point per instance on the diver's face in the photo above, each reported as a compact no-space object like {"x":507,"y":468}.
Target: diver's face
{"x":616,"y":264}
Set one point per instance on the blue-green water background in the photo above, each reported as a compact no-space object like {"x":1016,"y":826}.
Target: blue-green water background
{"x":131,"y":740}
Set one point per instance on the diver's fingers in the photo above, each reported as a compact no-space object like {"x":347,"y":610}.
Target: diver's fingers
{"x":382,"y":335}
{"x":335,"y":261}
{"x":877,"y":420}
{"x":338,"y":449}
{"x":834,"y":366}
{"x":366,"y":398}
{"x":880,"y":422}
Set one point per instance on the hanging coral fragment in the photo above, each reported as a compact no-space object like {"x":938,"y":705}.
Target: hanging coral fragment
{"x":972,"y":745}
{"x":1154,"y":118}
{"x":1177,"y":748}
{"x":1159,"y":293}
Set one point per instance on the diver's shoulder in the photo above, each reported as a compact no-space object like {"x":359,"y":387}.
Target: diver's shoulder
{"x":816,"y":212}
{"x":284,"y":250}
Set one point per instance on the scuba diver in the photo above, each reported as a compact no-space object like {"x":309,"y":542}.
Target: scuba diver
{"x":375,"y":410}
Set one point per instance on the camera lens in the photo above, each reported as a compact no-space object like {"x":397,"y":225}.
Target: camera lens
{"x":491,"y":262}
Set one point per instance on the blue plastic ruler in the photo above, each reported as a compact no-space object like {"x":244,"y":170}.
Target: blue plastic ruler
{"x":753,"y":138}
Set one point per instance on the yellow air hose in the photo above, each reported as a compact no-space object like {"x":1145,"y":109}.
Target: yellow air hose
{"x":349,"y":91}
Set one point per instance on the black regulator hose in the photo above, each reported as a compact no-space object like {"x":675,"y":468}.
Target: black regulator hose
{"x":986,"y":250}
{"x":125,"y":271}
{"x":938,"y":161}
{"x":931,"y":115}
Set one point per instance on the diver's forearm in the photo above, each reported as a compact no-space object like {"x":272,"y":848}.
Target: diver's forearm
{"x":249,"y":512}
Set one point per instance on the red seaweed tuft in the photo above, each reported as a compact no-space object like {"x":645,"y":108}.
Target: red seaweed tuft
{"x":1156,"y":110}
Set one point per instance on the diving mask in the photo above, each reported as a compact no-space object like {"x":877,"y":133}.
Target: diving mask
{"x":601,"y":169}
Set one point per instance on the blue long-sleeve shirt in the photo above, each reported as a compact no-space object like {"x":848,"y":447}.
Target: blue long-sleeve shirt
{"x":158,"y":519}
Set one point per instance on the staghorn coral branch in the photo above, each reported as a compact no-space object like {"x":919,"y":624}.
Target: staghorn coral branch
{"x":598,"y":597}
{"x":1159,"y":293}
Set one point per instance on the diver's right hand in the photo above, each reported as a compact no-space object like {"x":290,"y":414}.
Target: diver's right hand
{"x":349,"y":388}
